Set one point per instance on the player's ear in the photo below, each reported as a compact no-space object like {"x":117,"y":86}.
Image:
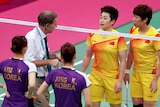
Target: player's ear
{"x":47,"y":24}
{"x":145,"y":20}
{"x":113,"y":21}
{"x":74,"y":56}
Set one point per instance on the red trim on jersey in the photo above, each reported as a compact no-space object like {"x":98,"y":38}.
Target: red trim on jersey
{"x":154,"y":71}
{"x":132,"y":29}
{"x":158,"y":35}
{"x":147,"y":41}
{"x":91,"y":34}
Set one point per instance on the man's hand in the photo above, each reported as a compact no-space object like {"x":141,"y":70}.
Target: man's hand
{"x":54,"y":62}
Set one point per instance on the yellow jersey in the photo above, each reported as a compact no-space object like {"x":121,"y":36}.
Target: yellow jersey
{"x":145,"y":55}
{"x":106,"y":51}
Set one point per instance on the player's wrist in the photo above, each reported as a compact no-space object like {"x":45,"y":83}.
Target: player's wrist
{"x":29,"y":94}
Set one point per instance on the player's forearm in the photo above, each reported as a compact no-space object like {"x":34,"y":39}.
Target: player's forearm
{"x":158,"y":70}
{"x":129,"y":60}
{"x":85,"y":64}
{"x":156,"y":77}
{"x":43,"y":100}
{"x":29,"y":93}
{"x":122,"y":67}
{"x":31,"y":81}
{"x":31,"y":89}
{"x":86,"y":94}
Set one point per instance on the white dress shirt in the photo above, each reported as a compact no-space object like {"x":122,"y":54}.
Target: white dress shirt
{"x":36,"y":49}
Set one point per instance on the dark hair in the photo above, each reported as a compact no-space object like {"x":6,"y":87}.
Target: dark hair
{"x":67,"y":52}
{"x":46,"y":17}
{"x":111,"y":10}
{"x":18,"y":43}
{"x":144,"y":11}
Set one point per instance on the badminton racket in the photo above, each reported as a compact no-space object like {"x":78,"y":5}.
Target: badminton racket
{"x":126,"y":104}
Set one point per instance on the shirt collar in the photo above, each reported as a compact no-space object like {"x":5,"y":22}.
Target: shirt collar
{"x":67,"y":67}
{"x":42,"y":34}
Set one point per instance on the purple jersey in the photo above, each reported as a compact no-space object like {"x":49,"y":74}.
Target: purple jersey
{"x":68,"y":85}
{"x":15,"y":73}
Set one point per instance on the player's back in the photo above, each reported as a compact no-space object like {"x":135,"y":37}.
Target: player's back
{"x":68,"y":85}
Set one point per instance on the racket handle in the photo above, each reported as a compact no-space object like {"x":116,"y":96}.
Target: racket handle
{"x":126,"y":84}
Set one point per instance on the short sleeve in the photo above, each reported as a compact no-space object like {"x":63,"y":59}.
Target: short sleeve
{"x":32,"y":66}
{"x":122,"y":44}
{"x":49,"y":78}
{"x":88,"y":41}
{"x":157,"y":43}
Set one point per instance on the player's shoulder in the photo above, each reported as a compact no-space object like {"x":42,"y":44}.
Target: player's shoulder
{"x":153,"y":30}
{"x":29,"y":63}
{"x":5,"y":61}
{"x":81,"y":73}
{"x":56,"y":71}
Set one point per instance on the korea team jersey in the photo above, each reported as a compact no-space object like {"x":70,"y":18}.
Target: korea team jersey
{"x":145,"y":52}
{"x":106,"y":51}
{"x":68,"y":85}
{"x":15,"y":73}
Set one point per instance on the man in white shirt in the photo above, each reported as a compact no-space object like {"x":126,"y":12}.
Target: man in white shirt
{"x":37,"y":49}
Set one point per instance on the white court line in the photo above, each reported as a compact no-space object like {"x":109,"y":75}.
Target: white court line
{"x":2,"y":95}
{"x":1,"y":98}
{"x":52,"y":105}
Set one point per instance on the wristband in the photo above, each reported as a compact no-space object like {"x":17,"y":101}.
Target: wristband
{"x":127,"y":71}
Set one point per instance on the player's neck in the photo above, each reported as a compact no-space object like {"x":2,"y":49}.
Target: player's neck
{"x":144,"y":29}
{"x":68,"y":65}
{"x":18,"y":56}
{"x":108,"y":29}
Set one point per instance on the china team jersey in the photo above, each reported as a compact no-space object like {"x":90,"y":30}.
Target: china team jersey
{"x":145,"y":55}
{"x":106,"y":51}
{"x":15,"y":73}
{"x":68,"y":85}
